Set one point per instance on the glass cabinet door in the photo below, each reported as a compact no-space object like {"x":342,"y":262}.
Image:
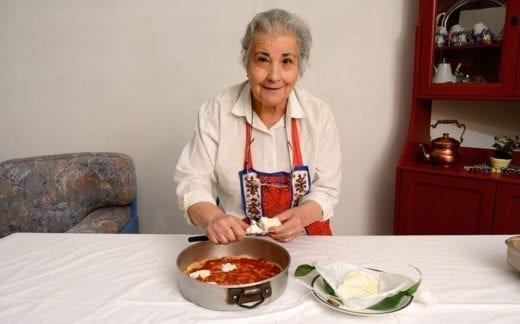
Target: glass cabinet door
{"x":469,"y":48}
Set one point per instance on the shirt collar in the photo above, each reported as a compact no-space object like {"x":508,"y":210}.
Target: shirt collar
{"x":242,"y":107}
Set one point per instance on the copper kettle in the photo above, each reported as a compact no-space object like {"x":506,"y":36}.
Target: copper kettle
{"x":444,"y":150}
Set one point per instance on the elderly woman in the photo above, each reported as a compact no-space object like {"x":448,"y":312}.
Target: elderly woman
{"x":264,"y":148}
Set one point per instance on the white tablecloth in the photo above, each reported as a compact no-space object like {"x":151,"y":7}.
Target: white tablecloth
{"x":98,"y":278}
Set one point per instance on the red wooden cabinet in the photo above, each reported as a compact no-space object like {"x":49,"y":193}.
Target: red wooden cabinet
{"x":438,"y":204}
{"x":507,"y":210}
{"x":437,"y":200}
{"x":486,"y":70}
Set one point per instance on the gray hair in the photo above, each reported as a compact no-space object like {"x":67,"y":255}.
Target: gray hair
{"x":279,"y":21}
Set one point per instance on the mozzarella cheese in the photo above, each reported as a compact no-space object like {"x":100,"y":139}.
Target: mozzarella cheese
{"x":227,"y":267}
{"x":266,"y":223}
{"x":200,"y":273}
{"x":262,"y":226}
{"x":254,"y":229}
{"x":357,"y":284}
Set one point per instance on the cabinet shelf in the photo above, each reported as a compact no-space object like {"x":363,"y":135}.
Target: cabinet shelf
{"x":470,"y":86}
{"x":469,"y":47}
{"x":470,"y":156}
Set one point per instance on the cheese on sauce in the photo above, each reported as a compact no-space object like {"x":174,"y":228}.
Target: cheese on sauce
{"x":226,"y":267}
{"x":200,"y":273}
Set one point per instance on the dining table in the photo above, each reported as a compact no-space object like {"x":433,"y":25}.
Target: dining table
{"x":134,"y":278}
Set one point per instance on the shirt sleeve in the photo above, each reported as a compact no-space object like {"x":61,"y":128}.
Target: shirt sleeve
{"x":194,"y":173}
{"x":326,"y":172}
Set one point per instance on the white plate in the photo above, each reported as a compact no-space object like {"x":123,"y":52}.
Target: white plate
{"x":322,"y":296}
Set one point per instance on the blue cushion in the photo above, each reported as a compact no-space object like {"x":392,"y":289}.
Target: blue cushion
{"x":133,"y":223}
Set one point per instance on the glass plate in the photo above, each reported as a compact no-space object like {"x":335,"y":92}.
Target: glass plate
{"x":322,"y":296}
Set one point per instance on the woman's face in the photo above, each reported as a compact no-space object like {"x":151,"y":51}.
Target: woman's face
{"x":272,"y":69}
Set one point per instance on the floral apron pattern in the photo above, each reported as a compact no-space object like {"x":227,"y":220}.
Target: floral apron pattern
{"x":269,"y":194}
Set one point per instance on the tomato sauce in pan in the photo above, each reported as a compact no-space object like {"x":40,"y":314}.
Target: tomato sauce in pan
{"x":233,"y":270}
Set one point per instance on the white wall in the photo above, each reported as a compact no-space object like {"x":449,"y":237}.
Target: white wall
{"x":129,"y":75}
{"x":483,"y":120}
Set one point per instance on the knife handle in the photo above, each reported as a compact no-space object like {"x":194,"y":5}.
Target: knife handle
{"x":199,"y":238}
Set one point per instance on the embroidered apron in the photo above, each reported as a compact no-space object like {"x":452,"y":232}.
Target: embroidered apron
{"x":269,"y":194}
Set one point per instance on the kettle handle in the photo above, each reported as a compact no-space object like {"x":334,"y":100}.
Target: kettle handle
{"x":445,"y":16}
{"x":451,"y":121}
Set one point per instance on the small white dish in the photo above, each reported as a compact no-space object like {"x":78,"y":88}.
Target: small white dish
{"x":320,"y":293}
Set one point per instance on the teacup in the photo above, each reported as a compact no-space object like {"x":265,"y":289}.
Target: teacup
{"x":459,"y":36}
{"x":482,"y":34}
{"x":441,"y":36}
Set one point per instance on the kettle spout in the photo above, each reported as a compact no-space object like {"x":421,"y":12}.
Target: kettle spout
{"x":425,"y":154}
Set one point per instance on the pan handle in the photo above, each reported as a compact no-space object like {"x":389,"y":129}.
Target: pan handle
{"x":199,"y":238}
{"x":249,"y":297}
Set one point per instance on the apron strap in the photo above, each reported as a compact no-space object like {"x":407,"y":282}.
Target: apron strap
{"x":297,"y":154}
{"x":248,"y":161}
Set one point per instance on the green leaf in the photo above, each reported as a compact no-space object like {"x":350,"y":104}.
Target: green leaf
{"x":392,"y":301}
{"x":303,"y":270}
{"x":329,"y":289}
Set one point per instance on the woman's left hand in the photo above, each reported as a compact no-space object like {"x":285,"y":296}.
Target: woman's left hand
{"x":292,"y":226}
{"x":294,"y":221}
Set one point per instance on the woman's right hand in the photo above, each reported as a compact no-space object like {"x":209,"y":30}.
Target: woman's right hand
{"x":221,"y":228}
{"x":225,"y":228}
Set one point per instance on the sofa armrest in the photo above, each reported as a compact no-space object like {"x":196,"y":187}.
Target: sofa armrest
{"x":103,"y":220}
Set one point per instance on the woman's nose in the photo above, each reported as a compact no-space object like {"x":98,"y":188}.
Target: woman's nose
{"x":274,"y":72}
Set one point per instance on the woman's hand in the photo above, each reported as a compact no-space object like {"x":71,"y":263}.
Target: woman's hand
{"x":221,"y":228}
{"x":225,"y":228}
{"x":294,"y":221}
{"x":291,"y":227}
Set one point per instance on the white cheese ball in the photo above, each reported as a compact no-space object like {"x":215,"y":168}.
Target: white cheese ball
{"x":262,"y":226}
{"x":266,"y":223}
{"x":254,"y":229}
{"x":227,"y":267}
{"x":357,"y":284}
{"x":200,"y":273}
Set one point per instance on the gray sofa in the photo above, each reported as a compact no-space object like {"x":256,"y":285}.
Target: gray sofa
{"x":75,"y":192}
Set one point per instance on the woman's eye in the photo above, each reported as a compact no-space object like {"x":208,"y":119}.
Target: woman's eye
{"x":262,"y":59}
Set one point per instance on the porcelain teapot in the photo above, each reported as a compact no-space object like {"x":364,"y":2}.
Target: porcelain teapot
{"x":444,"y":150}
{"x":443,"y":73}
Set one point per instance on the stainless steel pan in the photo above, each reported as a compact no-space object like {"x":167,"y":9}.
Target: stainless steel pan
{"x":233,"y":297}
